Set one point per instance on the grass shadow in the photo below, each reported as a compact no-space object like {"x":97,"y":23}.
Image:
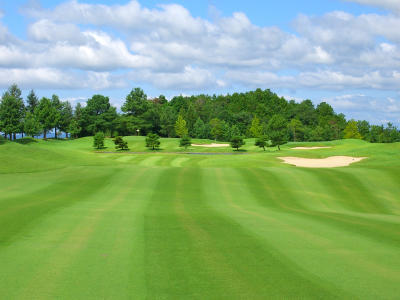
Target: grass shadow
{"x":26,"y":141}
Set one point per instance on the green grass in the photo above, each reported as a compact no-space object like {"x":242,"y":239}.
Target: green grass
{"x":76,"y":224}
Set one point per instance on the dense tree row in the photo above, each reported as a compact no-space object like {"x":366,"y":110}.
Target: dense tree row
{"x":258,"y":113}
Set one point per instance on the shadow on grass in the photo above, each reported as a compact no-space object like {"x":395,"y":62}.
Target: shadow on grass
{"x":240,"y":150}
{"x":26,"y":141}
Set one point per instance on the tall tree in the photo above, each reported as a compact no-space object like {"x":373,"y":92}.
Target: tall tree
{"x":66,"y":116}
{"x":277,"y":131}
{"x":180,"y":127}
{"x":136,"y":102}
{"x":295,"y":126}
{"x":31,"y":125}
{"x":216,"y":128}
{"x":11,"y":114}
{"x":46,"y":114}
{"x":255,"y":128}
{"x":19,"y":108}
{"x":351,"y":131}
{"x":57,"y":105}
{"x":32,"y":101}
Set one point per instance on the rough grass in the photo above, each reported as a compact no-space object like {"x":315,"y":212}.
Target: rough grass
{"x":76,"y":224}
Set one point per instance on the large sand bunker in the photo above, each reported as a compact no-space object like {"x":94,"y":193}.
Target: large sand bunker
{"x":310,"y":148}
{"x":213,"y":145}
{"x":329,"y":162}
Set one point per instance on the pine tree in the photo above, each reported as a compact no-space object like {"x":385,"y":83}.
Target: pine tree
{"x":351,"y":131}
{"x":237,"y":142}
{"x":180,"y":127}
{"x":152,"y":141}
{"x":32,"y":101}
{"x":185,"y":141}
{"x":255,"y":128}
{"x":98,"y":140}
{"x":120,"y":144}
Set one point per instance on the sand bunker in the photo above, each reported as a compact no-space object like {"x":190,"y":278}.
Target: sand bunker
{"x":329,"y":162}
{"x":309,"y":148}
{"x":213,"y":145}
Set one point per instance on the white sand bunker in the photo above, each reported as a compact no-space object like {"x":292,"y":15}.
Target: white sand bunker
{"x":213,"y":145}
{"x":310,"y":148}
{"x":329,"y":162}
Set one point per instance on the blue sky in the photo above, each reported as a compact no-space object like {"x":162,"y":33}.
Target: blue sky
{"x":346,"y":53}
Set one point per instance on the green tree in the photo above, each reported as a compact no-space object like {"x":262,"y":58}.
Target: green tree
{"x":98,"y":115}
{"x":199,"y":129}
{"x":31,"y":125}
{"x":152,"y":141}
{"x":57,"y":105}
{"x":255,"y":128}
{"x":363,"y":129}
{"x":234,"y":131}
{"x":185,"y":141}
{"x":74,"y":129}
{"x":46,"y":114}
{"x":237,"y":142}
{"x":11,"y":114}
{"x":120,"y":144}
{"x":136,"y":103}
{"x":66,"y":116}
{"x":261,"y":142}
{"x":277,"y":131}
{"x":180,"y":127}
{"x":98,"y":140}
{"x":295,"y":126}
{"x":216,"y":128}
{"x":351,"y":130}
{"x":167,"y":121}
{"x":32,"y":101}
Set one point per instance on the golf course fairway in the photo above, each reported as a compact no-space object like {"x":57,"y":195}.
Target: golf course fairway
{"x":78,"y":224}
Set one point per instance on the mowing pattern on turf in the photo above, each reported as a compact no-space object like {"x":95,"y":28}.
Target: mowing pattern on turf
{"x":81,"y":225}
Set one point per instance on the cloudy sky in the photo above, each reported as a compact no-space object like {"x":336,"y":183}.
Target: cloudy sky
{"x":345,"y":52}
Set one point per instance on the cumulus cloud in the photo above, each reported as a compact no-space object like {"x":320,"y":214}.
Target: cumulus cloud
{"x":168,"y":48}
{"x":393,"y":5}
{"x":377,"y":110}
{"x":47,"y":78}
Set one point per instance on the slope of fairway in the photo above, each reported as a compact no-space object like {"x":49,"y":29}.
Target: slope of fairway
{"x":76,"y":224}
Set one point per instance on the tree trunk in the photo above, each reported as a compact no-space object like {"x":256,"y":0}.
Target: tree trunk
{"x":15,"y":136}
{"x":264,"y":148}
{"x":66,"y":135}
{"x":44,"y":135}
{"x":55,"y":132}
{"x":279,"y":148}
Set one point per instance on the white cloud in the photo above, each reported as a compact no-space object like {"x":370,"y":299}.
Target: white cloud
{"x":393,"y":5}
{"x":363,"y":107}
{"x":45,"y":78}
{"x":166,"y":47}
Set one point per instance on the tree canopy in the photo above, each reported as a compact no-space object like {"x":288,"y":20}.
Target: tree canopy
{"x":219,"y":117}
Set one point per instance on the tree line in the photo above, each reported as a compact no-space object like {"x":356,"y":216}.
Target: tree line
{"x":259,"y":113}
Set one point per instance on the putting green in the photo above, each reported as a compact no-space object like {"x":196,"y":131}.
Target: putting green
{"x":75,"y":224}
